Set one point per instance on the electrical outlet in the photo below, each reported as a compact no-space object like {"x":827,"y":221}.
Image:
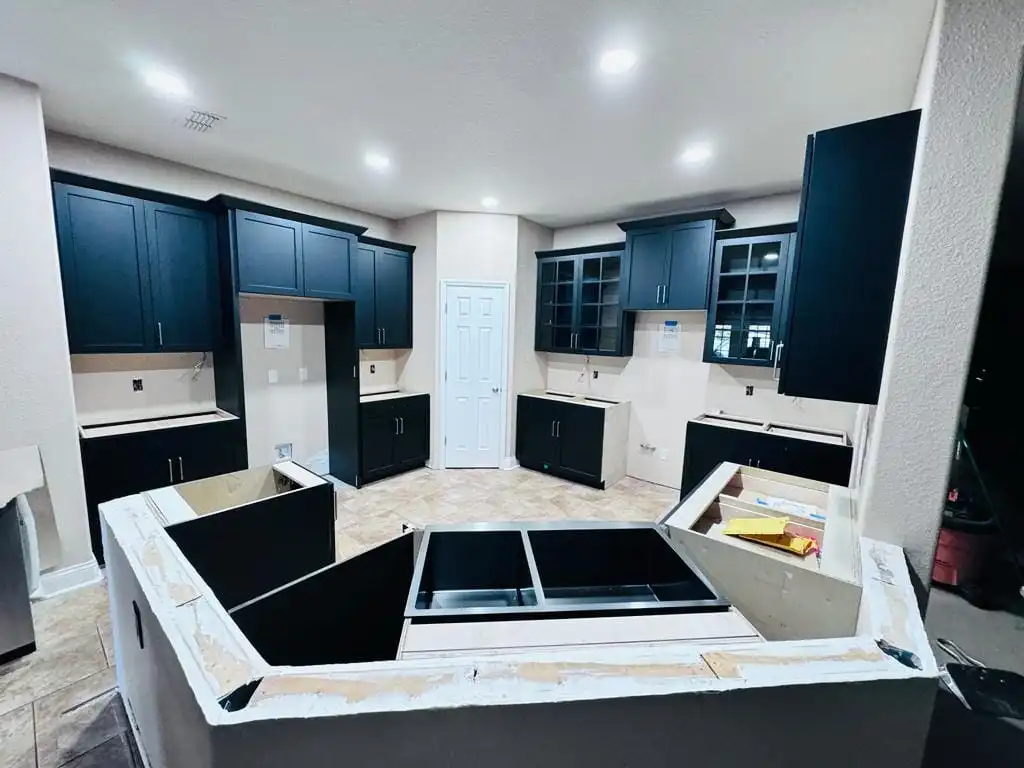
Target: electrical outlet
{"x":750,"y":390}
{"x":373,"y":368}
{"x":303,"y":374}
{"x":595,"y":374}
{"x":283,"y":451}
{"x":136,"y":385}
{"x":272,"y":376}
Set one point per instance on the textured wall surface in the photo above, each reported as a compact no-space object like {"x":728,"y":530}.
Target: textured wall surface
{"x":38,"y":406}
{"x":962,"y":155}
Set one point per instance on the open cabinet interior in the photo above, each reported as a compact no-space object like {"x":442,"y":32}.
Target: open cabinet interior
{"x":772,"y":587}
{"x":216,"y":494}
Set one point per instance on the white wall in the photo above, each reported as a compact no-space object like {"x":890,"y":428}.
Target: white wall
{"x":293,"y":410}
{"x":102,"y":161}
{"x":379,"y":369}
{"x":971,"y":97}
{"x":418,"y":371}
{"x":749,"y":212}
{"x":668,"y":389}
{"x":170,"y":385}
{"x":36,"y":400}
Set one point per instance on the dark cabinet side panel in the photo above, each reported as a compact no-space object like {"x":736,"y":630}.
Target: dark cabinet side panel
{"x":342,"y":360}
{"x":104,"y":270}
{"x":708,"y":446}
{"x":269,"y":252}
{"x":848,"y":248}
{"x":183,"y":263}
{"x":326,"y":262}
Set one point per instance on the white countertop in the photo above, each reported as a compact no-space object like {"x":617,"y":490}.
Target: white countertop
{"x":108,"y":429}
{"x":374,"y":397}
{"x":575,"y":399}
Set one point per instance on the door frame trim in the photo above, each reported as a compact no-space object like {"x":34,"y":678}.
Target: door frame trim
{"x":442,"y":350}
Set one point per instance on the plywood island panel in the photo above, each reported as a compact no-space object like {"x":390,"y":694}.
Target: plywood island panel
{"x":200,"y":694}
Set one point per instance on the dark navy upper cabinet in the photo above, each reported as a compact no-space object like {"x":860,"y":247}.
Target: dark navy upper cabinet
{"x":745,"y":321}
{"x":269,"y":253}
{"x":668,"y":260}
{"x":105,"y":270}
{"x":326,"y":262}
{"x":182,"y":245}
{"x":138,"y":275}
{"x":852,"y":211}
{"x":382,"y":289}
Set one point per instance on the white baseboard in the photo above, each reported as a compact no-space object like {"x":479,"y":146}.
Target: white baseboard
{"x":509,"y":462}
{"x":62,"y":580}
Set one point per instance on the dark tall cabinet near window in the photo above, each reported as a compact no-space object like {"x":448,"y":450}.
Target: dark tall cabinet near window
{"x":668,"y":260}
{"x":382,"y":288}
{"x":579,"y":302}
{"x":138,"y":275}
{"x":746,"y":311}
{"x":852,"y":210}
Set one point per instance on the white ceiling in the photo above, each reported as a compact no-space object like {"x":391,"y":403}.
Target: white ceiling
{"x":475,"y":97}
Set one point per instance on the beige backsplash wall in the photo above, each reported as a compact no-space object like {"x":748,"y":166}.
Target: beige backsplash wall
{"x":387,"y":366}
{"x":170,"y":384}
{"x":292,"y":410}
{"x":668,"y":389}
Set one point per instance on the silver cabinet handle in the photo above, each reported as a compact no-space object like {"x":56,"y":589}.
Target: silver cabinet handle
{"x":558,"y":429}
{"x":160,"y":333}
{"x":661,"y":293}
{"x":401,"y":420}
{"x":170,"y":471}
{"x":384,"y":335}
{"x":778,"y":356}
{"x":181,"y":470}
{"x":758,"y":463}
{"x":552,"y":429}
{"x":657,"y":297}
{"x":396,"y":424}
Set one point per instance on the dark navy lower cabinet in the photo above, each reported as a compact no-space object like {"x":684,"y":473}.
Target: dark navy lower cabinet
{"x":138,"y":275}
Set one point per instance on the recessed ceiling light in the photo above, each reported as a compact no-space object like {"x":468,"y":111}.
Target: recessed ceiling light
{"x":695,"y":154}
{"x":167,"y":83}
{"x":489,"y":202}
{"x":377,"y":161}
{"x":618,"y":61}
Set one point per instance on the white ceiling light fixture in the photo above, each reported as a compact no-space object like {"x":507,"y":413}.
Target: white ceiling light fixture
{"x":377,"y":161}
{"x":489,"y":202}
{"x":618,"y":61}
{"x":166,"y":83}
{"x":697,"y":154}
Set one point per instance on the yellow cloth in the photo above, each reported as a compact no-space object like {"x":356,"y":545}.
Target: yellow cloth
{"x":770,"y":531}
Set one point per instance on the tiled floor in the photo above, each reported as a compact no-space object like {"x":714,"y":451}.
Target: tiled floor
{"x":59,"y":706}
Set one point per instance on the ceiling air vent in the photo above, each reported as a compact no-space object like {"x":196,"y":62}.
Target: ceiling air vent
{"x":201,"y":121}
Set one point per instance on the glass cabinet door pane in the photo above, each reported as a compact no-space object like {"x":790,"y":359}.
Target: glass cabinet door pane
{"x":563,"y":294}
{"x":761,"y":287}
{"x":735,"y":258}
{"x":566,"y":271}
{"x":732,"y":287}
{"x":728,"y":332}
{"x":562,"y":337}
{"x":590,"y":315}
{"x":588,"y":339}
{"x":610,"y":292}
{"x":563,"y":315}
{"x":609,"y":340}
{"x":592,"y":269}
{"x":765,"y":256}
{"x":591,"y":293}
{"x":611,"y":268}
{"x":547,"y":272}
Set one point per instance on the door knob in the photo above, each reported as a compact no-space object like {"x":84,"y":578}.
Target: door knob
{"x":495,"y":389}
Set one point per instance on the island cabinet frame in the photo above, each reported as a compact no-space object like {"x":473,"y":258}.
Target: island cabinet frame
{"x":198,"y":693}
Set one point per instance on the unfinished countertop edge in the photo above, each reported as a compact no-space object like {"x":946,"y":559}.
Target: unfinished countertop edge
{"x":165,"y":421}
{"x":376,"y":397}
{"x":576,"y":398}
{"x":765,"y":426}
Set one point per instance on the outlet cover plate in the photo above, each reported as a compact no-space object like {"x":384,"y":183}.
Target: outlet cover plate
{"x":283,"y":451}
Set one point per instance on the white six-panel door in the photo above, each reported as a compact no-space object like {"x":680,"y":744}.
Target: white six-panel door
{"x":474,"y":387}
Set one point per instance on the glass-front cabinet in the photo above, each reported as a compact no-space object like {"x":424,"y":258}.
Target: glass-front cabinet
{"x":746,"y":312}
{"x":579,"y":306}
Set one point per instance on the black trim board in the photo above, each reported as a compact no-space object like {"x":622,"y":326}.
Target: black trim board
{"x":90,"y":182}
{"x":583,"y":249}
{"x":236,"y":203}
{"x":410,"y":249}
{"x":772,"y":229}
{"x":721,"y":216}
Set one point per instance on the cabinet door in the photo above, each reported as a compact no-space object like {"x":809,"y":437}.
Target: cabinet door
{"x":105,"y":271}
{"x":412,"y":445}
{"x":557,"y":304}
{"x":326,"y":261}
{"x":393,"y":280}
{"x":600,"y":317}
{"x":812,"y":460}
{"x":121,"y":466}
{"x":852,"y":212}
{"x":378,"y":427}
{"x":364,"y":292}
{"x":647,"y":253}
{"x":708,"y":446}
{"x":269,"y":253}
{"x":183,"y":266}
{"x":207,"y":450}
{"x":536,"y":444}
{"x":689,"y":266}
{"x":580,"y":429}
